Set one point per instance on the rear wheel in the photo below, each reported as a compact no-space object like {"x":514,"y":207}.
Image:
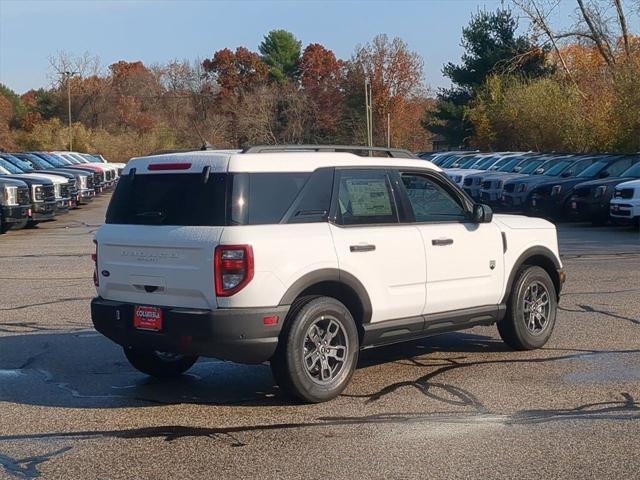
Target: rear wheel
{"x":318,"y":350}
{"x":159,"y":364}
{"x":531,"y":310}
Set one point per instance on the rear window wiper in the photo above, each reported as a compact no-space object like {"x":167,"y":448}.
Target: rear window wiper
{"x":155,"y":216}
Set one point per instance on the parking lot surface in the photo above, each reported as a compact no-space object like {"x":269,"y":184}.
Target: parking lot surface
{"x":452,"y":406}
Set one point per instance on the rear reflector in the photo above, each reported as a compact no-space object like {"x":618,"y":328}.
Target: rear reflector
{"x":272,"y":320}
{"x":169,"y":166}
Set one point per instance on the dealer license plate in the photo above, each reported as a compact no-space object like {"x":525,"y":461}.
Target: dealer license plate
{"x":147,"y":318}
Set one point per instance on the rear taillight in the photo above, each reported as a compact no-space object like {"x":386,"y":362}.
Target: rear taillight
{"x":94,"y":257}
{"x":233,"y":268}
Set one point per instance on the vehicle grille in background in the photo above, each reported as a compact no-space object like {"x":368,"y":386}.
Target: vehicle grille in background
{"x":45,"y":193}
{"x":23,"y":196}
{"x":509,"y":187}
{"x":486,"y":185}
{"x":109,"y":175}
{"x":624,"y":193}
{"x":582,"y":192}
{"x":468,"y":182}
{"x":64,"y":191}
{"x":97,"y":178}
{"x":90,"y":182}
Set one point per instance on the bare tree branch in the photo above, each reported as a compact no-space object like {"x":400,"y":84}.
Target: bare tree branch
{"x":605,"y":52}
{"x":623,"y":26}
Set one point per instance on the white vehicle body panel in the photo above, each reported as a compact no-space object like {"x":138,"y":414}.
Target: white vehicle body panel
{"x":406,"y":275}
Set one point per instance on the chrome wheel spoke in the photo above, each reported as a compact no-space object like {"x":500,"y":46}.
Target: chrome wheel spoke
{"x":338,"y":352}
{"x":325,"y":349}
{"x":535,"y":307}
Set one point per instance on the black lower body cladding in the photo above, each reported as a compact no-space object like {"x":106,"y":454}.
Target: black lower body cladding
{"x":236,"y":334}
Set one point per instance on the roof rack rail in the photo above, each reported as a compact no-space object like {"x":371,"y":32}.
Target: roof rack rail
{"x":390,"y":152}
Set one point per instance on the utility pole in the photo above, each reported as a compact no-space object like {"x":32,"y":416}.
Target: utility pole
{"x":388,"y":130}
{"x":368,"y":112}
{"x":67,"y":76}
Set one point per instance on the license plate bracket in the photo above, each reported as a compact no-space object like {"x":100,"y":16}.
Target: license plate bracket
{"x":148,"y":318}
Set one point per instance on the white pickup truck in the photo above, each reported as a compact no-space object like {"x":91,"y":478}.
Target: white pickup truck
{"x":303,"y":256}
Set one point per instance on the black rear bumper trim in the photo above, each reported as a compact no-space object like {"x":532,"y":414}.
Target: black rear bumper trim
{"x":236,"y":334}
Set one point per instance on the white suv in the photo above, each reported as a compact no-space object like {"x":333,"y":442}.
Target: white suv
{"x":303,"y":256}
{"x":625,"y":204}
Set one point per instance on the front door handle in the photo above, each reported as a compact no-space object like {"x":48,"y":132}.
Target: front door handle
{"x":440,"y":242}
{"x":362,"y":248}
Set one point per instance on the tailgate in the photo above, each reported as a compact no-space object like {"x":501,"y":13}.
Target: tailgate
{"x":158,"y":265}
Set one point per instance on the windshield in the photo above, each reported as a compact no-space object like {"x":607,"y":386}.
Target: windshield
{"x":486,"y":163}
{"x":634,"y":171}
{"x":507,"y":167}
{"x":49,"y":159}
{"x":34,"y":161}
{"x":69,"y":158}
{"x":56,"y":160}
{"x":21,"y":164}
{"x":558,"y":168}
{"x":534,"y":165}
{"x":9,"y":167}
{"x":594,"y":169}
{"x":466,"y":162}
{"x":78,"y":157}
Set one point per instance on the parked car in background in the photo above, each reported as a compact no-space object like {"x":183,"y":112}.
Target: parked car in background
{"x":474,"y":184}
{"x":550,"y":199}
{"x":516,"y":194}
{"x":83,"y":192}
{"x":65,"y":183}
{"x":99,"y":177}
{"x":60,"y":184}
{"x":625,"y":204}
{"x":15,"y":203}
{"x":590,"y":200}
{"x":107,"y":174}
{"x":41,"y":189}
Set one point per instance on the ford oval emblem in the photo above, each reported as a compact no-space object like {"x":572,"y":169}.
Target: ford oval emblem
{"x":105,"y":273}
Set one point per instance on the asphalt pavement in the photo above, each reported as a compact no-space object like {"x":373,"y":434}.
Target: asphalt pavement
{"x":459,"y":405}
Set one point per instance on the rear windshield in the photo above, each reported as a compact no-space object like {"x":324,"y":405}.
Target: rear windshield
{"x":221,"y":199}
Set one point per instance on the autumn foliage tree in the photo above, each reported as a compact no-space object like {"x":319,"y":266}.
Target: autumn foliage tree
{"x":321,"y":75}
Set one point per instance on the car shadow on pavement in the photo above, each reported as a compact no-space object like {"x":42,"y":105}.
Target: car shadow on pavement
{"x":84,"y":370}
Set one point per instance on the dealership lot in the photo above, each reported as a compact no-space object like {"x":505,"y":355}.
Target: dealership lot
{"x":450,"y":406}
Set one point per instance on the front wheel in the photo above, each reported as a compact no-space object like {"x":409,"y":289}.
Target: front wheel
{"x":159,"y":364}
{"x":531,"y":310}
{"x":318,"y":350}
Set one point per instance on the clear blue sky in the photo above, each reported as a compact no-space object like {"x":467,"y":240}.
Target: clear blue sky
{"x":158,"y":31}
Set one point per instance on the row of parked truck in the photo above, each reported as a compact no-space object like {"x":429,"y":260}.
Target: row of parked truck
{"x":583,"y":187}
{"x":38,"y":186}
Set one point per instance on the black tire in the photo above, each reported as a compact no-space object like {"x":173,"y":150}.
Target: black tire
{"x":316,"y":317}
{"x":31,"y":224}
{"x":157,"y":364}
{"x":515,"y":328}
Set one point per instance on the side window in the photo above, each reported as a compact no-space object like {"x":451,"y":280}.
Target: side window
{"x":618,"y":167}
{"x":577,"y":167}
{"x":430,"y":202}
{"x":365,"y":197}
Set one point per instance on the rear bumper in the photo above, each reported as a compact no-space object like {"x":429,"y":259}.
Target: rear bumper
{"x":15,"y":214}
{"x":237,"y":334}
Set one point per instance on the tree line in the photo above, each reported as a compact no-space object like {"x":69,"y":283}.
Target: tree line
{"x":514,"y":89}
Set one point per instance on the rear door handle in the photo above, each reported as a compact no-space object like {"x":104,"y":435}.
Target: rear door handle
{"x":440,"y":242}
{"x":362,"y":248}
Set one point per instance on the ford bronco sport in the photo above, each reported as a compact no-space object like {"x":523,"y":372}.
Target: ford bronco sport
{"x":303,"y":256}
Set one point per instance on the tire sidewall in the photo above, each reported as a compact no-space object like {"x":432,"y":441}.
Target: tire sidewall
{"x":302,"y":384}
{"x":525,"y":337}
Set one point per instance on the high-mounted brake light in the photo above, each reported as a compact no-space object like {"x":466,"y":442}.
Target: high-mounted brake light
{"x":233,"y":268}
{"x":94,"y":257}
{"x":168,"y":166}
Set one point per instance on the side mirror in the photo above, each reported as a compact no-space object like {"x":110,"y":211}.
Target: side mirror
{"x":482,"y":213}
{"x":565,"y":174}
{"x":539,"y":171}
{"x":604,"y":174}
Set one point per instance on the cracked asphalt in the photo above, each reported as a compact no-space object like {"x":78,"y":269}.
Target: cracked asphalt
{"x":452,"y":406}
